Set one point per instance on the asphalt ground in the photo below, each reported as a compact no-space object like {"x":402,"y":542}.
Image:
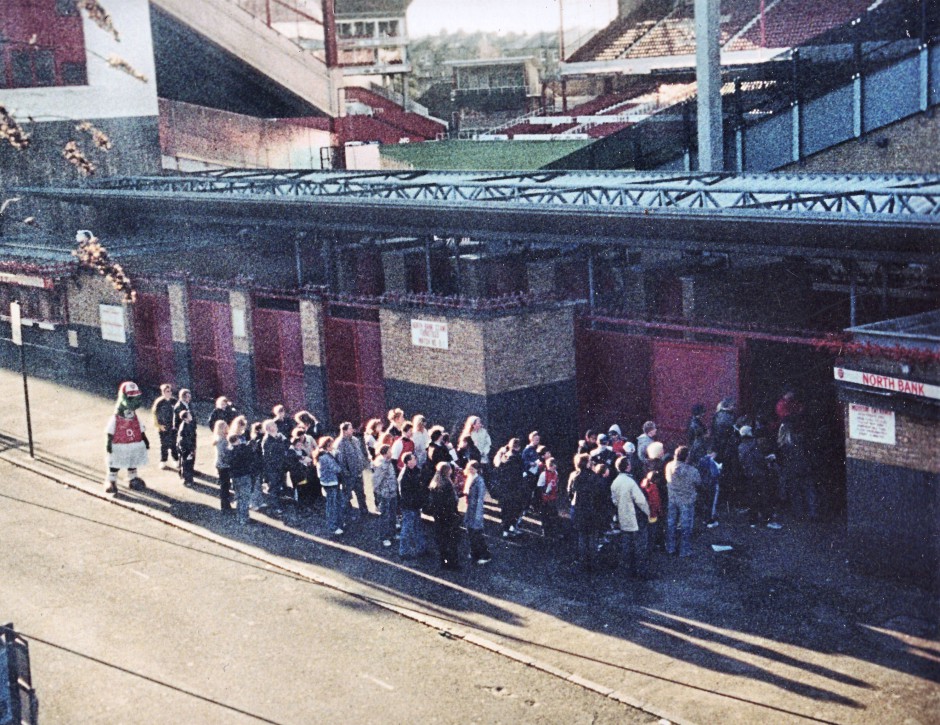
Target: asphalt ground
{"x":778,"y":628}
{"x":130,"y":621}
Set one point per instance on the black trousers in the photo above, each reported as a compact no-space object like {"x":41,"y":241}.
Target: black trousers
{"x":478,"y":548}
{"x":168,"y":446}
{"x":225,"y":488}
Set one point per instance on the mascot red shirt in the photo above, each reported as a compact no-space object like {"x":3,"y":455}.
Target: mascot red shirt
{"x":127,"y":439}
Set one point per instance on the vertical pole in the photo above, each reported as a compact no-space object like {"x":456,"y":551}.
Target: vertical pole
{"x":858,"y":85}
{"x":796,"y":108}
{"x":329,"y":33}
{"x":29,"y":422}
{"x":591,"y":281}
{"x":853,"y":301}
{"x":267,"y":8}
{"x":427,"y":265}
{"x":561,"y":55}
{"x":884,"y":291}
{"x":711,"y":155}
{"x":298,"y":263}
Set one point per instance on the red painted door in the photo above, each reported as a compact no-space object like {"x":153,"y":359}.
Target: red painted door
{"x":686,"y":373}
{"x":153,"y":341}
{"x":613,"y":371}
{"x":355,"y":378}
{"x":213,"y":352}
{"x":279,"y":363}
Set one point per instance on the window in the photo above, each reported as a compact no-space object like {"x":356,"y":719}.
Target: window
{"x":65,"y":8}
{"x":38,"y":304}
{"x":33,"y":68}
{"x":74,"y":74}
{"x":388,"y":28}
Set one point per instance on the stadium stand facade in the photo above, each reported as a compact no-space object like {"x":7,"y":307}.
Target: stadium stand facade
{"x":305,"y":287}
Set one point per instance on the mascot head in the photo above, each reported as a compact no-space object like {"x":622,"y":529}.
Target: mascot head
{"x":129,"y":397}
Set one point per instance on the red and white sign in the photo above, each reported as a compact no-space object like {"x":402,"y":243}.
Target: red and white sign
{"x":425,"y":333}
{"x":25,"y":280}
{"x":886,"y":382}
{"x":871,"y":424}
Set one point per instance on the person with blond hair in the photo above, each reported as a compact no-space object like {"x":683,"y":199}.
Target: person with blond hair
{"x":481,"y":437}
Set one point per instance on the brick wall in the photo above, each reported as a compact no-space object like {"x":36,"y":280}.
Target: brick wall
{"x":917,"y":445}
{"x":529,"y":349}
{"x":487,"y":356}
{"x":86,"y":294}
{"x":459,"y":368}
{"x":896,"y":148}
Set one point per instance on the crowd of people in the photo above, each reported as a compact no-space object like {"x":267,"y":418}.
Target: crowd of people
{"x":622,"y":500}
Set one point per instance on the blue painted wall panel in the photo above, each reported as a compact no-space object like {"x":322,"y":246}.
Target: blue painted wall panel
{"x":828,"y":120}
{"x":891,"y":94}
{"x":768,"y":145}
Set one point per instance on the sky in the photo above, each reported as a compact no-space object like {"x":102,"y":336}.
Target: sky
{"x":428,"y":17}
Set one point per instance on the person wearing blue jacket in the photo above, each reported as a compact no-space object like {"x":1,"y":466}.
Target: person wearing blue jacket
{"x":475,"y":488}
{"x":328,"y":470}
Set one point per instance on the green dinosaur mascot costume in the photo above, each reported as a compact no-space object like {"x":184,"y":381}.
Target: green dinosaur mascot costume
{"x":127,"y":442}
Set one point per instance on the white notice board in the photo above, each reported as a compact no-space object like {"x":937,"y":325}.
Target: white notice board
{"x":871,"y":424}
{"x":425,"y":333}
{"x":112,"y":323}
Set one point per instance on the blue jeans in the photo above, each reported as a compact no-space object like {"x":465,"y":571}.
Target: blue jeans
{"x":684,"y":514}
{"x":334,"y":507}
{"x":412,"y":537}
{"x":243,"y":487}
{"x":635,"y":553}
{"x":388,"y":510}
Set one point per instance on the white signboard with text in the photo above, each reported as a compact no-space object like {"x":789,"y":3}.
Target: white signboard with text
{"x":112,"y":323}
{"x":425,"y":333}
{"x":871,"y":424}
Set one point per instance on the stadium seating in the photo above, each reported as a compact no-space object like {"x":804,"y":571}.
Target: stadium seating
{"x":788,"y":23}
{"x":662,"y":29}
{"x":390,"y":115}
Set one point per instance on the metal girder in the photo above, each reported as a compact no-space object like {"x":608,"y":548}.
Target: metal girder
{"x":812,"y":196}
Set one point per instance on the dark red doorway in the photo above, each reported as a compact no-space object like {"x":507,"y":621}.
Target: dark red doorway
{"x":213,"y":352}
{"x":686,"y":373}
{"x":279,"y":364}
{"x":355,"y":379}
{"x":153,"y":341}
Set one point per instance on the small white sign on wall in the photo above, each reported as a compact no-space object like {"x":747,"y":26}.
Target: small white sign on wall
{"x":871,"y":424}
{"x":425,"y":333}
{"x":239,"y":328}
{"x":112,"y":323}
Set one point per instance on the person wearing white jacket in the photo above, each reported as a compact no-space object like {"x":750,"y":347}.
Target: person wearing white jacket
{"x":627,"y":497}
{"x":481,"y":437}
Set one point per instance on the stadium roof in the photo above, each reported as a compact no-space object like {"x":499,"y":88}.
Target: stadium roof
{"x":876,"y":217}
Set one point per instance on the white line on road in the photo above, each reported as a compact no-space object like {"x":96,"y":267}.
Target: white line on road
{"x":139,"y":573}
{"x":377,"y":681}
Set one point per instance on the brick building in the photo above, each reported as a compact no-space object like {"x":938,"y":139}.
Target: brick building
{"x":889,"y":383}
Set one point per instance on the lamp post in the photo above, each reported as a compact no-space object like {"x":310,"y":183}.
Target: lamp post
{"x":16,"y":328}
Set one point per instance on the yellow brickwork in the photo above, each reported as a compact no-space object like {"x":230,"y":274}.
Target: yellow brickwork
{"x":84,"y":296}
{"x":460,"y":367}
{"x":529,"y":348}
{"x":917,"y":445}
